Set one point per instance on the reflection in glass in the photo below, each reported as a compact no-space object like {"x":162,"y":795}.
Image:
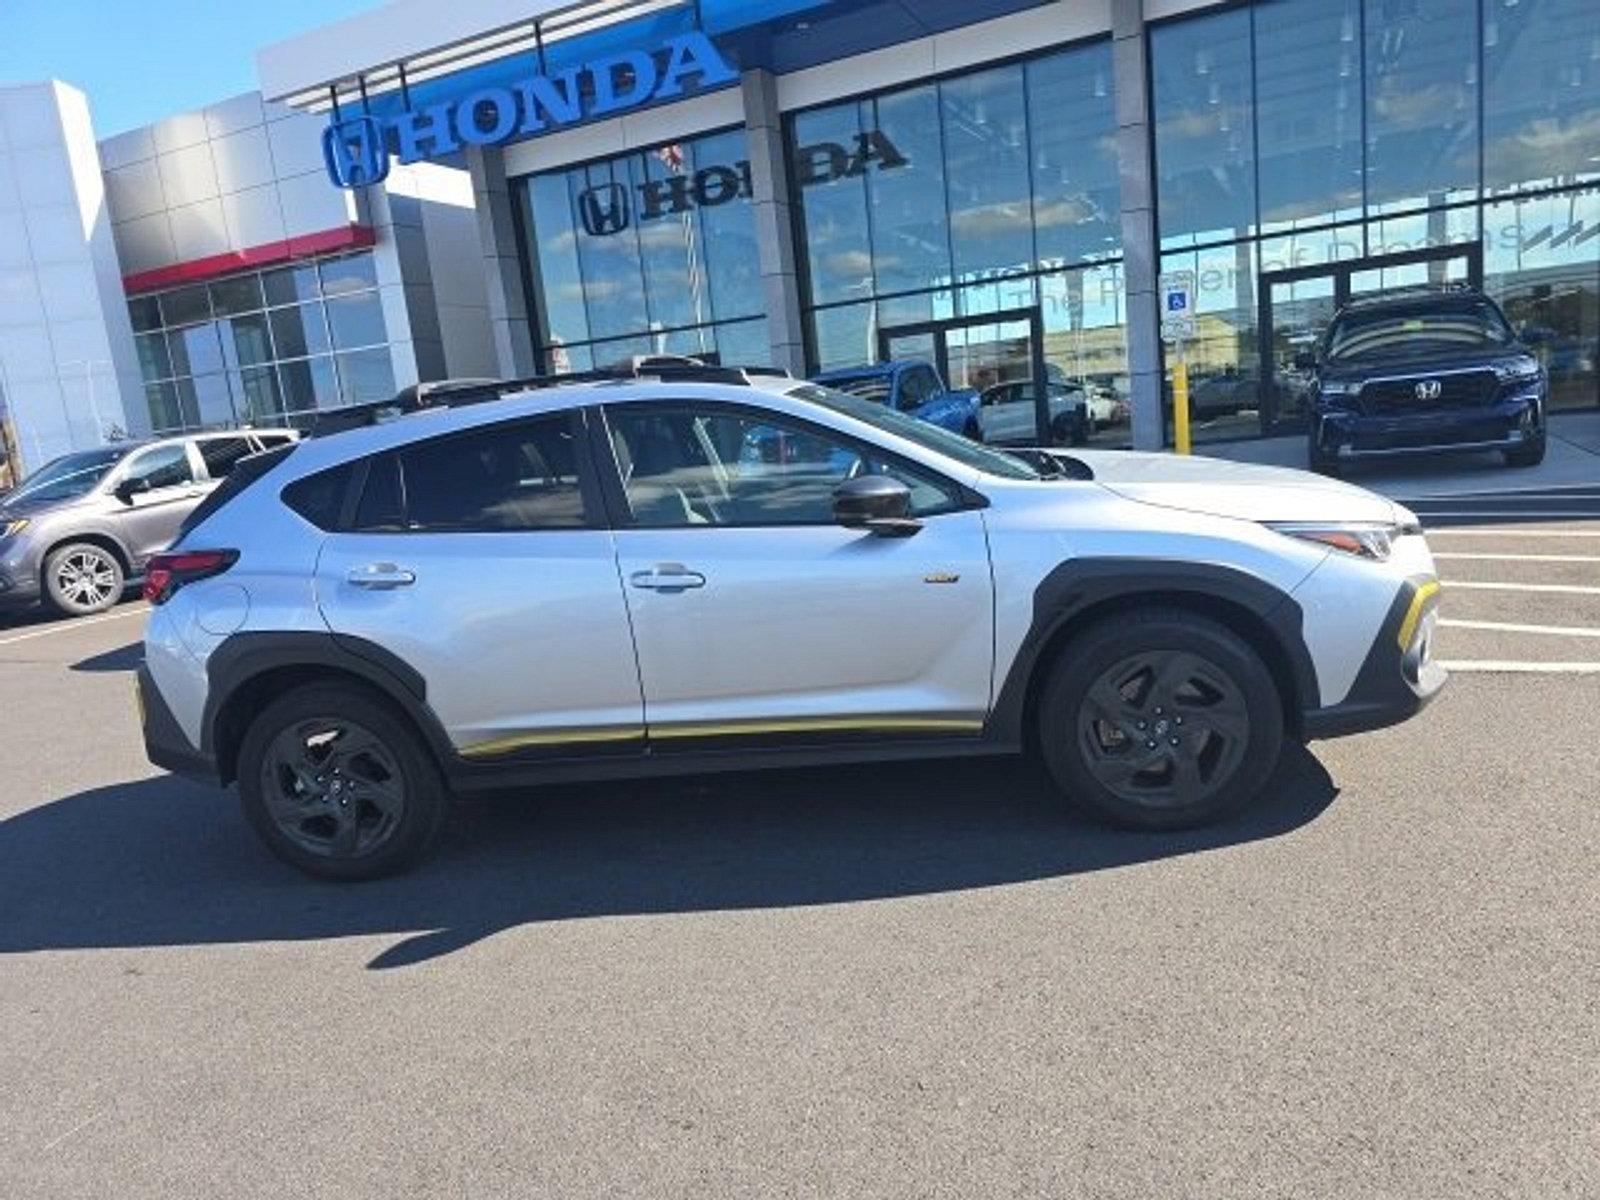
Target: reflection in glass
{"x":1072,"y":135}
{"x":356,"y":321}
{"x":365,"y":376}
{"x":833,"y":207}
{"x":1541,"y":99}
{"x":299,"y":331}
{"x":1223,"y":356}
{"x":1308,"y":111}
{"x":1422,"y":103}
{"x":1204,"y":119}
{"x":986,"y":165}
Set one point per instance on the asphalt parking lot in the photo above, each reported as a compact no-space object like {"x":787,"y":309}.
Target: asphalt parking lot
{"x":901,"y":981}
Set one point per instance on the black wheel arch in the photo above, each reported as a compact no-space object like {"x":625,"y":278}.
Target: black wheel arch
{"x":1084,"y":592}
{"x":248,"y":670}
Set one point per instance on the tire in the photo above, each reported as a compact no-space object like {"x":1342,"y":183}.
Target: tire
{"x":81,"y":579}
{"x":370,"y":811}
{"x":1207,"y":753}
{"x":1530,"y":454}
{"x":1322,"y":464}
{"x":972,"y":432}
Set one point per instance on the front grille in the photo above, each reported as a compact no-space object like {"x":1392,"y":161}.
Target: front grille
{"x":1467,"y":389}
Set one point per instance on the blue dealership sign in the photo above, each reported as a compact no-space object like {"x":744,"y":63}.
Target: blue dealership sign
{"x":356,"y":150}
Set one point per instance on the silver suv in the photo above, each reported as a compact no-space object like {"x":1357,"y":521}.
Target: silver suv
{"x":79,"y":529}
{"x":713,"y":570}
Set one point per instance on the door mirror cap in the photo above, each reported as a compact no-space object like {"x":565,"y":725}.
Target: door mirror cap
{"x":1533,"y":335}
{"x":877,"y":504}
{"x":1305,"y":360}
{"x":129,"y":488}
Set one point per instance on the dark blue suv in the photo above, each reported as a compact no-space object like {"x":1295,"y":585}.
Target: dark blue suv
{"x":1424,"y":372}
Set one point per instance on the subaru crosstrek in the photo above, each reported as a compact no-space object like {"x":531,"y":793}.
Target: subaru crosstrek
{"x":604,"y":581}
{"x":1424,"y":372}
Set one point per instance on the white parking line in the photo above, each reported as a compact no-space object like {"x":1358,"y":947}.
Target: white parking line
{"x":1590,"y":515}
{"x":1468,"y":531}
{"x":1483,"y":557}
{"x":1494,"y":667}
{"x":69,"y":626}
{"x":1564,"y":589}
{"x":1512,"y":627}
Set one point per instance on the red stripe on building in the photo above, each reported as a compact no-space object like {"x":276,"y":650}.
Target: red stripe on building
{"x":305,"y":245}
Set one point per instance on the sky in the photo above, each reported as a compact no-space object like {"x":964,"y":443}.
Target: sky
{"x":139,"y":60}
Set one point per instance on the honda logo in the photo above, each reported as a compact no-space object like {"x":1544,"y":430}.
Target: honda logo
{"x":354,"y":153}
{"x":1429,"y":389}
{"x":603,"y":210}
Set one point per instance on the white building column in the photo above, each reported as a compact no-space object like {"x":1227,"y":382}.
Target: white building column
{"x":775,"y":219}
{"x":510,"y":321}
{"x":1140,"y":252}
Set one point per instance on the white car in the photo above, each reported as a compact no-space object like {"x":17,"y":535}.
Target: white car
{"x":707,"y":570}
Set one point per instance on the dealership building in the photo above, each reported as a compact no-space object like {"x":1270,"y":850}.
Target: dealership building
{"x":997,"y":186}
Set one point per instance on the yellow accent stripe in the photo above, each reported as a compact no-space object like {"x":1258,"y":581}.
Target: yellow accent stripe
{"x":1408,"y":627}
{"x":549,"y":737}
{"x":711,"y":729}
{"x":694,"y":729}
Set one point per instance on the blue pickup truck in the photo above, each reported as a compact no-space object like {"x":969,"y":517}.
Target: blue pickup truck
{"x":912,"y":387}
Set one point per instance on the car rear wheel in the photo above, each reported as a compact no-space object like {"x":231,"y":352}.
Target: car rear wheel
{"x":82,"y":579}
{"x":1161,"y":719}
{"x":335,"y":782}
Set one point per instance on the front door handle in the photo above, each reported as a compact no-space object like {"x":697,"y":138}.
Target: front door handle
{"x":668,"y":577}
{"x":380,"y":577}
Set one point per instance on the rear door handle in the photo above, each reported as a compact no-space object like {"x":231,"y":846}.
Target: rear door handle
{"x":380,"y":577}
{"x":668,"y":577}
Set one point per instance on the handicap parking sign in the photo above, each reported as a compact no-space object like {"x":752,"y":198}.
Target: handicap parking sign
{"x":1177,"y":305}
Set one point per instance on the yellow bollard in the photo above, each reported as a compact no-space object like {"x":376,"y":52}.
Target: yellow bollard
{"x":1180,"y":407}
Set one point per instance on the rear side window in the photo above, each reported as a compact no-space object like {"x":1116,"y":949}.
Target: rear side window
{"x":244,"y":473}
{"x":318,"y":498}
{"x":507,"y":478}
{"x":222,"y":454}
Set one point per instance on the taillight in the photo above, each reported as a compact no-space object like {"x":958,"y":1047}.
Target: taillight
{"x":166,"y":573}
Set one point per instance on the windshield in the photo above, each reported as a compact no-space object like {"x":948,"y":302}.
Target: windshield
{"x":930,"y":437}
{"x":68,"y":478}
{"x":1423,"y":329}
{"x":868,"y":387}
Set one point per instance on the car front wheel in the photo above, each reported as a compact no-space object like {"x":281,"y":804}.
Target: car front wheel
{"x":82,"y":579}
{"x":1161,"y":719}
{"x":336,"y":783}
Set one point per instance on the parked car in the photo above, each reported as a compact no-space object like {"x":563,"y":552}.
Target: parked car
{"x":1007,"y":413}
{"x":910,"y":386}
{"x":78,"y":530}
{"x":1421,"y":372}
{"x":601,"y":582}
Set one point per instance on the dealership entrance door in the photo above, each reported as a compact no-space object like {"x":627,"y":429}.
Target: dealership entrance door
{"x":978,"y":353}
{"x":1296,"y":306}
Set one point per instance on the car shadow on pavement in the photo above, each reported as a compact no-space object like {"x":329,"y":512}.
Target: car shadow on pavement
{"x":123,"y":658}
{"x":162,"y":862}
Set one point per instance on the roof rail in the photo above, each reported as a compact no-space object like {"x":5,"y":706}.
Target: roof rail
{"x":454,"y":393}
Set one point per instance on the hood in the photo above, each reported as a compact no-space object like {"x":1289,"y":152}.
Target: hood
{"x":29,"y":507}
{"x":1422,"y":361}
{"x":1229,"y":489}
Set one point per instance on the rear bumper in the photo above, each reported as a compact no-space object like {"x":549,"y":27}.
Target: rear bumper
{"x":1503,"y":425}
{"x":1398,"y":679}
{"x":164,"y":742}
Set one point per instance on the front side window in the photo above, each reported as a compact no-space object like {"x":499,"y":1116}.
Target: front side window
{"x":163,"y":467}
{"x":502,"y":479}
{"x":689,"y":465}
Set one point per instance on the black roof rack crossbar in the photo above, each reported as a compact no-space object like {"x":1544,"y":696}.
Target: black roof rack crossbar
{"x":454,"y":393}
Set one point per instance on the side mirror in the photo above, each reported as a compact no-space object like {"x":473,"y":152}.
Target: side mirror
{"x":876,"y":504}
{"x":129,"y":488}
{"x":1533,"y":335}
{"x":1305,"y":360}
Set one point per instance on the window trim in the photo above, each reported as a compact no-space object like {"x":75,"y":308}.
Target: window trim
{"x":620,"y":512}
{"x":589,"y":487}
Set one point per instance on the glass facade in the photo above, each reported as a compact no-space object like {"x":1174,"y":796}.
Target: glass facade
{"x":956,"y":208}
{"x":1443,"y":139}
{"x":263,"y":348}
{"x":652,"y":252}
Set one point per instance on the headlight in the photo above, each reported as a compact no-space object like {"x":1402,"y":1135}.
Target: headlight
{"x":1364,"y":539}
{"x":1335,"y":390}
{"x":1523,"y":370}
{"x":12,"y":528}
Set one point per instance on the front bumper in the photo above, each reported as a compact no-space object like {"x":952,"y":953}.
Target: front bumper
{"x":1504,"y":425}
{"x":164,"y":741}
{"x":1398,"y":678}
